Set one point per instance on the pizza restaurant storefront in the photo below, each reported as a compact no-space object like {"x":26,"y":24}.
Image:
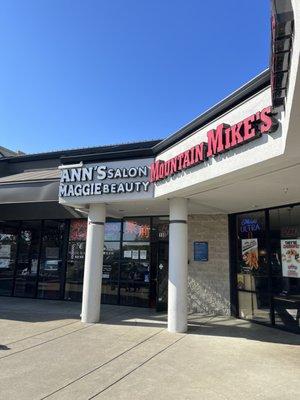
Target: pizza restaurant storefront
{"x":206,"y":220}
{"x":265,"y":266}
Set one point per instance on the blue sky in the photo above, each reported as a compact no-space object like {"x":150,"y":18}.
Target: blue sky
{"x":93,"y":72}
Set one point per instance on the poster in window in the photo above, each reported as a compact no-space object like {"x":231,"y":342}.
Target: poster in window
{"x":127,"y":253}
{"x":135,"y":254}
{"x":5,"y":250}
{"x":290,"y":251}
{"x":250,"y":255}
{"x":143,"y":254}
{"x":106,"y":271}
{"x":4,"y":263}
{"x":78,"y":229}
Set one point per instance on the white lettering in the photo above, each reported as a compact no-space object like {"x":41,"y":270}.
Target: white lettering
{"x":101,"y":172}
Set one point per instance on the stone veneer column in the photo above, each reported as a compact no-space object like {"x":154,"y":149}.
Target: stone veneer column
{"x":178,"y":263}
{"x":91,"y":296}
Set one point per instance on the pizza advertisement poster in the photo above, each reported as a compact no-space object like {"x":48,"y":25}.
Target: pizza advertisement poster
{"x":290,"y":252}
{"x":250,"y":254}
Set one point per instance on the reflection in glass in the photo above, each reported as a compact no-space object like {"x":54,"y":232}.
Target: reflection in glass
{"x":75,"y":267}
{"x":112,"y":231}
{"x":8,"y":246}
{"x":137,"y":229}
{"x":51,"y":266}
{"x":285,"y":266}
{"x":135,"y":274}
{"x":27,"y":259}
{"x":254,"y":306}
{"x":110,"y":272}
{"x":160,"y":228}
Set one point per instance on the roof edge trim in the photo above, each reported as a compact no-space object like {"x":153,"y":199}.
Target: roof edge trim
{"x":252,"y":87}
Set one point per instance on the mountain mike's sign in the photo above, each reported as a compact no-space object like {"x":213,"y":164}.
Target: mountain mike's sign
{"x":219,"y":140}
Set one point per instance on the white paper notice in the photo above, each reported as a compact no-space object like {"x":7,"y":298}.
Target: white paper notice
{"x":290,"y":253}
{"x":4,"y":263}
{"x":5,"y":250}
{"x":135,"y":254}
{"x":127,"y":253}
{"x":143,"y":254}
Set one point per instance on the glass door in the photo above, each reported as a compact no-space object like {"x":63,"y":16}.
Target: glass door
{"x":285,"y":266}
{"x":134,"y":284}
{"x":252,"y":267}
{"x":51,"y":271}
{"x":27,"y":259}
{"x":162,"y":276}
{"x":8,"y":250}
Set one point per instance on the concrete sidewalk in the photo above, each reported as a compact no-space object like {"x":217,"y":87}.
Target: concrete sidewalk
{"x":47,"y":353}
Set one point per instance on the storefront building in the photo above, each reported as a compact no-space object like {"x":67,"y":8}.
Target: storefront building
{"x":206,"y":220}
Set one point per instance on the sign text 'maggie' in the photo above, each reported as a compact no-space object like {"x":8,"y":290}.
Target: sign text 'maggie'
{"x":99,"y":180}
{"x":219,"y":140}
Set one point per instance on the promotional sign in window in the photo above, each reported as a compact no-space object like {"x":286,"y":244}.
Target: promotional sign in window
{"x":290,"y":249}
{"x":78,"y":229}
{"x":250,"y":254}
{"x":5,"y":250}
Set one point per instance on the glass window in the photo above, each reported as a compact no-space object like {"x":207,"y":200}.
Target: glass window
{"x":137,"y":229}
{"x":110,"y":272}
{"x":254,"y":306}
{"x":27,"y":259}
{"x":78,"y":230}
{"x":135,"y":274}
{"x":51,"y":271}
{"x":75,"y":259}
{"x":8,"y":248}
{"x":252,"y":267}
{"x":285,"y":265}
{"x":160,"y":228}
{"x":112,"y":231}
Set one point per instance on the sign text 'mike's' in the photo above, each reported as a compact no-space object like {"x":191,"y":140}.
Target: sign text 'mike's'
{"x":219,"y":140}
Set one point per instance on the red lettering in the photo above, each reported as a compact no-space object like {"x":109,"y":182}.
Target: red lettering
{"x":167,"y":168}
{"x":186,"y":159}
{"x":179,"y":158}
{"x":215,"y":143}
{"x":227,"y":135}
{"x":154,"y":171}
{"x":161,"y":170}
{"x":199,"y":152}
{"x":236,"y":137}
{"x":173,"y":165}
{"x":268,"y":124}
{"x":219,"y":140}
{"x":249,"y":130}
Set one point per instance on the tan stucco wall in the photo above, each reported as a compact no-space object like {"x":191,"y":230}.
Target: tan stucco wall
{"x":208,"y":282}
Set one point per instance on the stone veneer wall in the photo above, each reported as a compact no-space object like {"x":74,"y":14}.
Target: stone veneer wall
{"x":208,"y":282}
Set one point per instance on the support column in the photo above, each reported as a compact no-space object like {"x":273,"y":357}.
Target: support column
{"x":178,"y":262}
{"x":92,"y":280}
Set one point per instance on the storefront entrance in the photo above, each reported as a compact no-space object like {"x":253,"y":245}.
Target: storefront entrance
{"x":266,"y":263}
{"x":45,"y":259}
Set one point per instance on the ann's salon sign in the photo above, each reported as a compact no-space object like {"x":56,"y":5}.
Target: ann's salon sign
{"x":219,"y":140}
{"x":112,"y":181}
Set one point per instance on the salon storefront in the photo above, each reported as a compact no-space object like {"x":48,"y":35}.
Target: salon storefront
{"x":44,"y":259}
